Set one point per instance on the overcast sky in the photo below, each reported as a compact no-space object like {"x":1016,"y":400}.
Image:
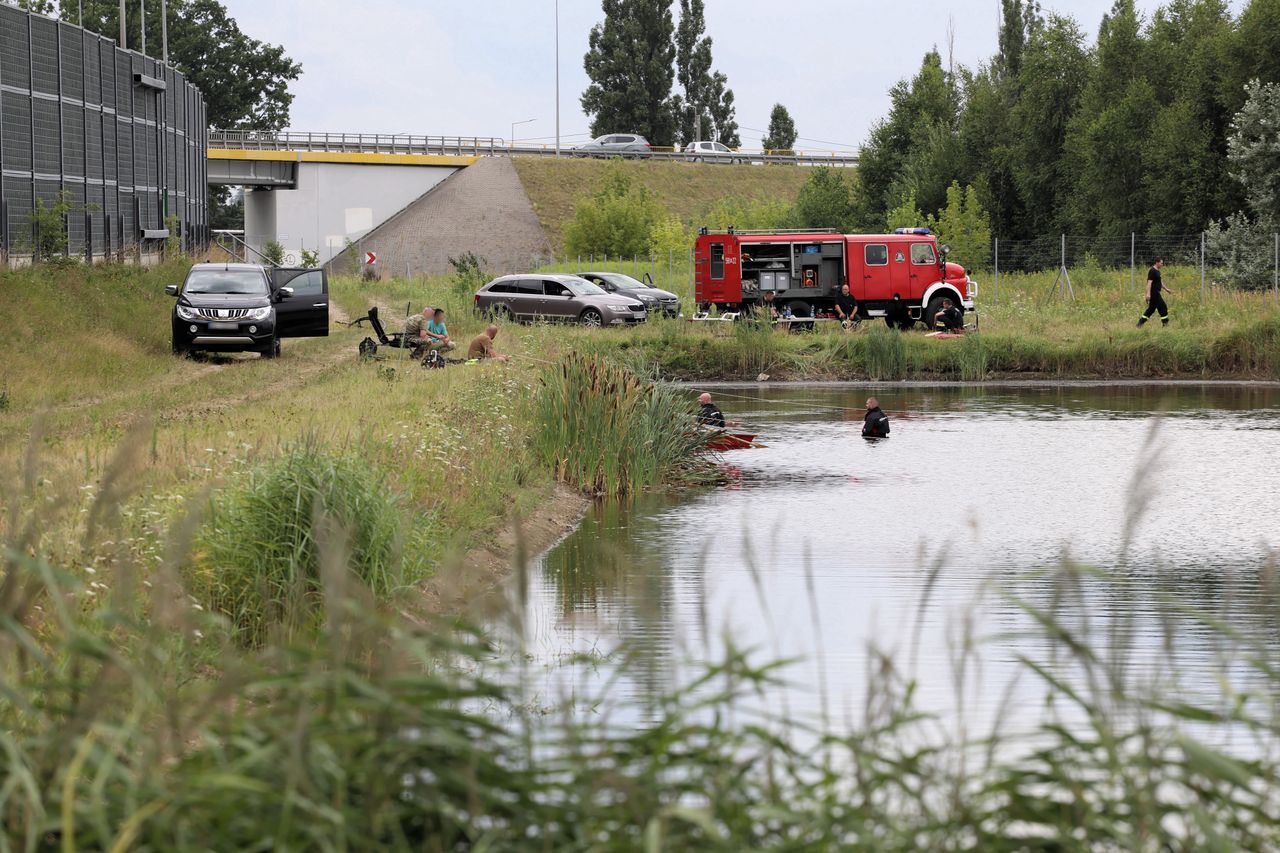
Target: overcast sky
{"x":471,"y":67}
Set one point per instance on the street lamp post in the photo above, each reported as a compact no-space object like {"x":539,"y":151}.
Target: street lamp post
{"x":557,"y":78}
{"x":511,"y":142}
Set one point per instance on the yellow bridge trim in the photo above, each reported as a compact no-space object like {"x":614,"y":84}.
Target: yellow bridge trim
{"x":352,"y":157}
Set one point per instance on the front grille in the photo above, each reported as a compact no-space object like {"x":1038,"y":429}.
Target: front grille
{"x":636,"y":307}
{"x":223,"y":313}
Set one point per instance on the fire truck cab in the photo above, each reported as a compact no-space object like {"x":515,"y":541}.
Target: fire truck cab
{"x":902,"y":277}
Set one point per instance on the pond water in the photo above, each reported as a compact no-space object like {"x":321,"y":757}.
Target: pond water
{"x":823,"y":547}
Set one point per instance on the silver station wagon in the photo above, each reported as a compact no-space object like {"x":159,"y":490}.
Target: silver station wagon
{"x":556,"y":298}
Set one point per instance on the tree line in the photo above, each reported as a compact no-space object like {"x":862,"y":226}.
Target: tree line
{"x":1129,"y":133}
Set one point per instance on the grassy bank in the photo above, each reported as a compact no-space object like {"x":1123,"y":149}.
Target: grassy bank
{"x":197,"y":561}
{"x":683,"y":190}
{"x":1027,"y":332}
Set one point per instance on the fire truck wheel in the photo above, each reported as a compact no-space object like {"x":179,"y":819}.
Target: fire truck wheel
{"x":931,"y":311}
{"x":592,"y":318}
{"x":800,"y":308}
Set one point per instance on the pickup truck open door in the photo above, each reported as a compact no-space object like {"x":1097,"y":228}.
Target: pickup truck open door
{"x":305,"y":314}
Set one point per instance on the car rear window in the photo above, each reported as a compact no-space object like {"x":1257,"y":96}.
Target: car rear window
{"x":528,"y":286}
{"x":500,"y":287}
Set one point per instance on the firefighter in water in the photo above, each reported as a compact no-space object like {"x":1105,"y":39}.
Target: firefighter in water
{"x":875,"y":424}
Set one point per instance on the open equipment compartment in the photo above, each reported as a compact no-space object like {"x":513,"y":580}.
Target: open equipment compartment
{"x":766,"y":266}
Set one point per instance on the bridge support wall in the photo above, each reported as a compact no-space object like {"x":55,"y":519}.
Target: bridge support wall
{"x":333,"y":203}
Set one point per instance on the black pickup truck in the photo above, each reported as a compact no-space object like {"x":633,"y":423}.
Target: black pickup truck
{"x":248,"y":308}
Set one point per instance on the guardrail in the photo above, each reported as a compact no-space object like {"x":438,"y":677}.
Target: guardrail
{"x":398,"y":143}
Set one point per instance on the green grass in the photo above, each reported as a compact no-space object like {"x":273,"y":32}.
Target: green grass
{"x":683,"y":190}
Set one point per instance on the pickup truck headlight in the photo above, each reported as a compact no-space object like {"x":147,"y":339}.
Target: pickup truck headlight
{"x":188,"y":313}
{"x":260,"y":313}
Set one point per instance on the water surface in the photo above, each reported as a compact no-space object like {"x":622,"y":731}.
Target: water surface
{"x":822,"y":547}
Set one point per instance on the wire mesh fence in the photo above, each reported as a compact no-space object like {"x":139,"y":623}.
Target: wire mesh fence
{"x":100,"y":148}
{"x":1211,"y":261}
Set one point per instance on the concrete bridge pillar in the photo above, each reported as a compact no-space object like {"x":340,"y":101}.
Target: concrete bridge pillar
{"x":260,"y":220}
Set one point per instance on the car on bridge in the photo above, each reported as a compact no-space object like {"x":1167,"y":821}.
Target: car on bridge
{"x":712,"y":152}
{"x":624,"y":144}
{"x":556,"y":298}
{"x":247,"y":308}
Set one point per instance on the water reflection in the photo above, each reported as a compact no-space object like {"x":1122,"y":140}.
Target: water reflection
{"x":825,"y":544}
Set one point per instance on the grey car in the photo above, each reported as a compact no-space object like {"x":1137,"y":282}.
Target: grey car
{"x":627,"y":144}
{"x":556,"y":298}
{"x":654,"y":300}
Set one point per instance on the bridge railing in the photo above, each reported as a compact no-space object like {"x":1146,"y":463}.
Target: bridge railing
{"x":399,"y":143}
{"x":360,"y":143}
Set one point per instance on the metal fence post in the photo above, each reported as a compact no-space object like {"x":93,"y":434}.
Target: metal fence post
{"x":1202,"y":266}
{"x":997,"y":284}
{"x":1133,"y":258}
{"x":1275,"y":274}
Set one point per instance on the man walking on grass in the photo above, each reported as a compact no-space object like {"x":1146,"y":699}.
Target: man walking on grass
{"x":1155,"y":302}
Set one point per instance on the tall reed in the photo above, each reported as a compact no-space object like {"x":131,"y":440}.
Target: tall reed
{"x":258,"y":560}
{"x":603,"y":429}
{"x":886,"y":353}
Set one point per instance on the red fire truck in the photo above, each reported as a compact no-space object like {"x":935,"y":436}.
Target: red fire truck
{"x":902,"y":277}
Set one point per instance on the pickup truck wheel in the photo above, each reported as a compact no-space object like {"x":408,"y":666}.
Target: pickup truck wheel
{"x":592,"y":318}
{"x":180,"y":350}
{"x":272,"y":350}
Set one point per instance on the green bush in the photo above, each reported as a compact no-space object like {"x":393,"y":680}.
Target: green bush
{"x":273,"y":253}
{"x":469,"y":273}
{"x":618,"y":220}
{"x":259,"y":560}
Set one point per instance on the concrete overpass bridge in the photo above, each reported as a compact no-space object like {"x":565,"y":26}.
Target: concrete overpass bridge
{"x":324,"y":191}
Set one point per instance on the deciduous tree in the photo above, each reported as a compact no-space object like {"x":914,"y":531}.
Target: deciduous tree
{"x":630,"y":64}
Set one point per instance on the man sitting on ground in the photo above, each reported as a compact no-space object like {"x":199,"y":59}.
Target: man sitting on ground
{"x":948,"y":318}
{"x":482,"y":345}
{"x":439,"y":334}
{"x":415,"y":332}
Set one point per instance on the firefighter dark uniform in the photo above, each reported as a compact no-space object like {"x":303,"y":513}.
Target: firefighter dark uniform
{"x":948,"y":319}
{"x":709,"y":415}
{"x":1155,"y":302}
{"x":875,"y":424}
